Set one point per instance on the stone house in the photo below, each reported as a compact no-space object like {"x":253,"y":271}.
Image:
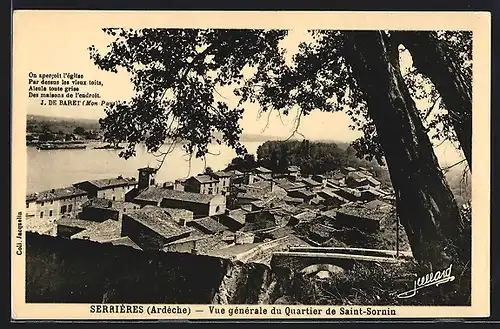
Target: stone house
{"x":114,"y":189}
{"x":151,"y":228}
{"x":201,"y":205}
{"x":204,"y":184}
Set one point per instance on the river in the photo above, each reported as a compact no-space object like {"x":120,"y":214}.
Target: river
{"x":49,"y":169}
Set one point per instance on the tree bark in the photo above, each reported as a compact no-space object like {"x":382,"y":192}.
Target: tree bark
{"x":433,"y":58}
{"x":424,"y":201}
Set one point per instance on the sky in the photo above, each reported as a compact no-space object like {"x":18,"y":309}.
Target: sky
{"x":61,"y":43}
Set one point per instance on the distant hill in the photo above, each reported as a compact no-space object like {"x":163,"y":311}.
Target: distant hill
{"x":36,"y":123}
{"x":66,"y":125}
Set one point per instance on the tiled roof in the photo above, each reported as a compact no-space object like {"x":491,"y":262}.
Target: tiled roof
{"x":311,"y":182}
{"x":157,"y":194}
{"x":379,"y":205}
{"x":260,"y":185}
{"x":332,"y":195}
{"x":263,"y":170}
{"x":156,"y":219}
{"x":205,"y":179}
{"x":330,"y":213}
{"x":222,"y":174}
{"x":253,"y":195}
{"x":359,"y":211}
{"x":75,"y":222}
{"x":306,"y":193}
{"x":338,"y":176}
{"x":178,"y":213}
{"x":125,"y":241}
{"x":372,"y":180}
{"x":289,"y":209}
{"x":99,"y":203}
{"x":288,"y":185}
{"x":234,"y":172}
{"x":111,"y":182}
{"x":356,"y":175}
{"x":293,"y":200}
{"x":305,"y":215}
{"x":56,"y":194}
{"x":209,"y":224}
{"x":103,"y":232}
{"x":238,"y":215}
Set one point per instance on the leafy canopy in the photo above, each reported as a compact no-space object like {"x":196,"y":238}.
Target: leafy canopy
{"x":177,"y":73}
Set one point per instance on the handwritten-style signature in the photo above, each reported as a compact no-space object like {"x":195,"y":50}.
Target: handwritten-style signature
{"x":430,"y":279}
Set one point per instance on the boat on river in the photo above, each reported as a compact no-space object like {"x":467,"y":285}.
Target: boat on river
{"x":61,"y":147}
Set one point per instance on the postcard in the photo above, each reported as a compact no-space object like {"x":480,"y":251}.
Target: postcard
{"x":250,"y":165}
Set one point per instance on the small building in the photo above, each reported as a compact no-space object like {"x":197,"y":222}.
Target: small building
{"x":312,"y":184}
{"x":369,"y":193}
{"x":225,"y":180}
{"x":290,"y":186}
{"x":201,"y":205}
{"x":373,"y":182}
{"x":349,"y":194}
{"x":114,"y":189}
{"x":204,"y":184}
{"x":293,"y":173}
{"x":332,"y":198}
{"x":233,"y":219}
{"x":320,"y":179}
{"x":263,"y":172}
{"x":179,"y":184}
{"x":305,"y":195}
{"x":208,"y":225}
{"x":152,"y":227}
{"x":44,"y":208}
{"x":292,"y":201}
{"x":102,"y":232}
{"x":180,"y":216}
{"x":99,"y":210}
{"x":347,"y":170}
{"x":237,"y":177}
{"x":248,"y":197}
{"x":358,"y":216}
{"x":304,"y":216}
{"x":355,"y":180}
{"x":67,"y":227}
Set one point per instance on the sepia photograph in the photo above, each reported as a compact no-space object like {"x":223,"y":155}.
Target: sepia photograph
{"x":306,"y":166}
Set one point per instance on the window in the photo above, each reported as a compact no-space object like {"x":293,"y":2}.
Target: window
{"x":217,"y":209}
{"x":70,"y":207}
{"x":51,"y":201}
{"x":42,"y":203}
{"x":41,"y":214}
{"x":27,"y":204}
{"x":114,"y":198}
{"x":50,"y":213}
{"x":63,"y":209}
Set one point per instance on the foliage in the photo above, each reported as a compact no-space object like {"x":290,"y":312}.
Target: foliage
{"x":376,"y":284}
{"x":176,"y":74}
{"x":311,"y":157}
{"x":243,"y":163}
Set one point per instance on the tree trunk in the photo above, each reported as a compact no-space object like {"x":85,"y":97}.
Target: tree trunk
{"x":424,"y":201}
{"x":433,"y":58}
